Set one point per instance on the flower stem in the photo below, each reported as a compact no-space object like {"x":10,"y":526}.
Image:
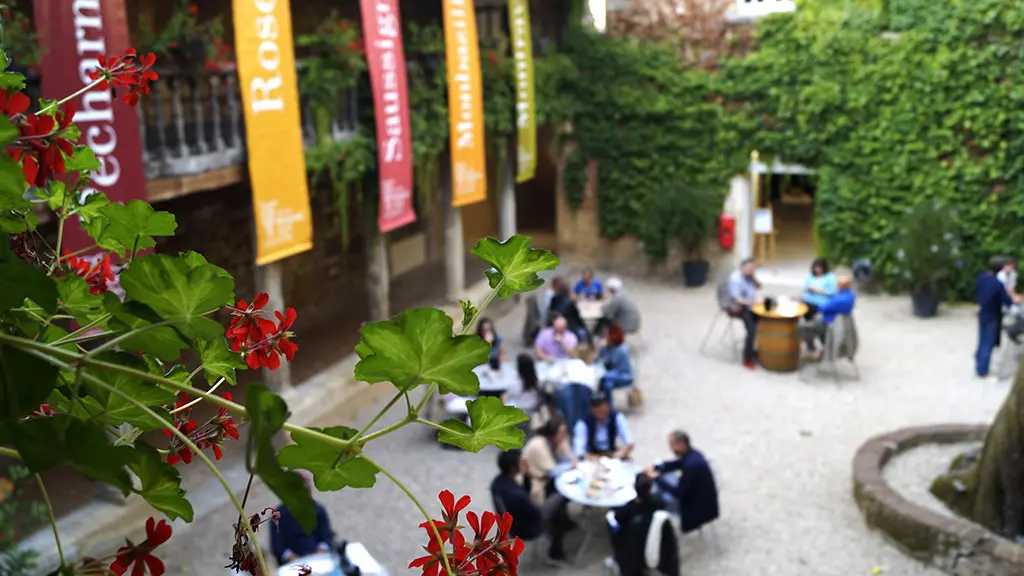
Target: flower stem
{"x":430,"y":521}
{"x":76,"y":253}
{"x":115,"y":341}
{"x":10,"y":453}
{"x":381,"y":414}
{"x":82,"y":330}
{"x":53,"y":518}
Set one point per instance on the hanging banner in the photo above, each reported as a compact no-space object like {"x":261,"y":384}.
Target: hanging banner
{"x":526,"y":121}
{"x":277,"y":163}
{"x":382,"y":31}
{"x":73,"y":35}
{"x":465,"y":103}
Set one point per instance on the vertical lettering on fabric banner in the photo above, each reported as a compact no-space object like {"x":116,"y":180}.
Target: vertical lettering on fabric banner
{"x":73,"y":34}
{"x":277,"y":162}
{"x":465,"y":103}
{"x":526,"y":120}
{"x":385,"y":56}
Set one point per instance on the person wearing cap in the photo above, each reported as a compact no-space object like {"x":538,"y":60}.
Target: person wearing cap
{"x":603,"y":432}
{"x":840,"y":303}
{"x":289,"y":542}
{"x":620,"y":309}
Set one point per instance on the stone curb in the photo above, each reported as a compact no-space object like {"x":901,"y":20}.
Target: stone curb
{"x":99,"y":527}
{"x":953,"y":544}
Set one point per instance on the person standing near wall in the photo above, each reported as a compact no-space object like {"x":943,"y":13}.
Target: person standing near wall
{"x":992,"y":298}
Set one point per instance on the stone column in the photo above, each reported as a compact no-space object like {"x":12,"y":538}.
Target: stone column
{"x":739,"y":206}
{"x":454,"y":249}
{"x":507,"y":225}
{"x":270,"y":280}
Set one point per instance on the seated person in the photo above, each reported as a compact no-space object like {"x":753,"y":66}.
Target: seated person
{"x":556,"y":342}
{"x":618,"y":368}
{"x":686,"y":485}
{"x":630,"y":526}
{"x":603,"y":432}
{"x":562,"y":304}
{"x":524,"y":392}
{"x":289,"y":542}
{"x":819,"y":287}
{"x":742,"y":296}
{"x":547,"y":454}
{"x":528,"y":519}
{"x":839,"y":303}
{"x":620,"y":310}
{"x":485,"y":329}
{"x":588,"y":287}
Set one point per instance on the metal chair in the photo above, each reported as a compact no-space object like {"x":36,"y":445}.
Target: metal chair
{"x":840,"y":343}
{"x":731,"y":317}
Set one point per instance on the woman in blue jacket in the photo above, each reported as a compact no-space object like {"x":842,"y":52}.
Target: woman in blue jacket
{"x":615,"y":357}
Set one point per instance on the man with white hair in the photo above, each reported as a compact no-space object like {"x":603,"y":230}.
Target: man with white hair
{"x":620,"y":309}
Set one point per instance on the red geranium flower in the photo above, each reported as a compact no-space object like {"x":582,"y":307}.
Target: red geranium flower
{"x":13,"y":104}
{"x":97,"y":276}
{"x":140,"y":558}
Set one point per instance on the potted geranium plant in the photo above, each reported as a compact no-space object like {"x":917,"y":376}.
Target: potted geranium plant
{"x":689,"y":215}
{"x":926,"y":252}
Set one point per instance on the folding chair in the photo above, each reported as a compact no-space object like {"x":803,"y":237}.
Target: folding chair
{"x":731,"y":318}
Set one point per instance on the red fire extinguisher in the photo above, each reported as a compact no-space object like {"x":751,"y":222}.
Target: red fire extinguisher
{"x":726,"y":231}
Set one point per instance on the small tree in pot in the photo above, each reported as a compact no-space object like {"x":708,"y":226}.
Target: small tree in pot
{"x":927,"y":251}
{"x":688,"y":214}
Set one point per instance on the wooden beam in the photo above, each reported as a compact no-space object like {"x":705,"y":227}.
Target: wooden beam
{"x":167,"y":188}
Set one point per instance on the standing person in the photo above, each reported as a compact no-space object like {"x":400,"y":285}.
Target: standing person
{"x":819,"y":286}
{"x":992,"y":297}
{"x":618,"y":368}
{"x":1008,"y":276}
{"x":528,"y":519}
{"x":601,"y":431}
{"x":556,"y":342}
{"x":686,"y":485}
{"x":620,"y":310}
{"x":743,"y":295}
{"x":589,"y":287}
{"x":485,"y":329}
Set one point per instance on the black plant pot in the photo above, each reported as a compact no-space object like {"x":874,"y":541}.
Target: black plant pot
{"x":926,"y":304}
{"x":695,"y":272}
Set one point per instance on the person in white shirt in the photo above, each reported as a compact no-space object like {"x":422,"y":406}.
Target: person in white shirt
{"x":1008,"y":276}
{"x":603,"y":432}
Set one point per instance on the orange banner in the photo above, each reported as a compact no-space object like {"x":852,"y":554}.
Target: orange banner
{"x":465,"y":103}
{"x":277,"y":165}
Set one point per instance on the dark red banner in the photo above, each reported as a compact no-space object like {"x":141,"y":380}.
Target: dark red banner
{"x":385,"y":56}
{"x":72,"y":34}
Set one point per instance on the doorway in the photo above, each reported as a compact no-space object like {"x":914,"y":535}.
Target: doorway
{"x":791,"y":198}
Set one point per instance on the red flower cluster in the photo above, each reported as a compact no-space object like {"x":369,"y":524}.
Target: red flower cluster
{"x":485,"y":555}
{"x":222,"y":55}
{"x":243,"y":557}
{"x":259,"y":340}
{"x":140,"y":557}
{"x":42,"y":143}
{"x":43,"y":411}
{"x":210,"y":435}
{"x":131,"y":72}
{"x":97,"y":276}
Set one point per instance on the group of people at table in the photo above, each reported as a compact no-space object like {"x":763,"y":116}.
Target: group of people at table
{"x":569,"y":441}
{"x":826,"y":296}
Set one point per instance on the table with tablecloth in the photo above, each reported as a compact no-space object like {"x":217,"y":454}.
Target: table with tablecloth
{"x":597,"y":485}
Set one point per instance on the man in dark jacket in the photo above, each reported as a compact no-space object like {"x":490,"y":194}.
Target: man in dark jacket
{"x":529,"y":520}
{"x":290,"y":542}
{"x":992,"y":298}
{"x":630,"y":526}
{"x":686,"y":485}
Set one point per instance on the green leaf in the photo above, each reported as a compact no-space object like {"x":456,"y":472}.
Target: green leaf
{"x":116,"y":408}
{"x":12,"y":81}
{"x":218,"y":360}
{"x":161,"y":483}
{"x":418,"y":348}
{"x":267,"y":415}
{"x":162,"y":342}
{"x":20,"y":280}
{"x":8,"y":131}
{"x":83,"y":159}
{"x":490,"y":423}
{"x":76,"y":299}
{"x":180,"y":291}
{"x":469,"y":313}
{"x":329,"y":471}
{"x":131,"y":227}
{"x":25,"y":382}
{"x":515,"y":264}
{"x":12,"y":185}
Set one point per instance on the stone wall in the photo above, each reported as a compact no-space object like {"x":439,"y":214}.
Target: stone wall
{"x":953,"y":544}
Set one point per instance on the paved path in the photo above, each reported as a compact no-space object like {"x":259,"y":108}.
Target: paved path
{"x":780,"y":445}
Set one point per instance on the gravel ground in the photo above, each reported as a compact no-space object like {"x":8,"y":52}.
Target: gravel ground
{"x":781,"y":445}
{"x":912,"y":472}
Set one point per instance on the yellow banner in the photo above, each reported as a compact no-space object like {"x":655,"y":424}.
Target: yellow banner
{"x":465,"y":103}
{"x":277,"y":166}
{"x":526,"y":120}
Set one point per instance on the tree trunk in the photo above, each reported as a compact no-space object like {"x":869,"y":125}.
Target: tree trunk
{"x":991,"y":490}
{"x":378,"y":281}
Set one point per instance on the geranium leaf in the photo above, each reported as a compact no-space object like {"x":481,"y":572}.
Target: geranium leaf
{"x":132,"y":226}
{"x":469,"y":313}
{"x":117,"y":409}
{"x":12,"y":185}
{"x":20,"y":280}
{"x":490,"y":423}
{"x":218,"y":360}
{"x":178,"y":291}
{"x":329,"y":472}
{"x":161,"y":483}
{"x":514,"y":262}
{"x":162,"y":342}
{"x":75,"y":299}
{"x":83,"y":159}
{"x":418,"y":347}
{"x":267,"y":414}
{"x":25,"y":382}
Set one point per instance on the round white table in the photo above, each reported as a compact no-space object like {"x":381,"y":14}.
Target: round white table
{"x":617,"y":480}
{"x":326,"y":564}
{"x":493,"y":382}
{"x":561,"y":372}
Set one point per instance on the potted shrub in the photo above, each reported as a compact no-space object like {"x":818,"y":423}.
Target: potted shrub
{"x":690,"y":215}
{"x":926,"y":253}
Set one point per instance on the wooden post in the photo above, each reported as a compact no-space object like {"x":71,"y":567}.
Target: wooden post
{"x":269,"y":280}
{"x":454,"y":250}
{"x":507,"y":201}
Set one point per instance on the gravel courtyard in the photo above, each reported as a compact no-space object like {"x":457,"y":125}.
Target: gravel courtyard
{"x":781,"y":445}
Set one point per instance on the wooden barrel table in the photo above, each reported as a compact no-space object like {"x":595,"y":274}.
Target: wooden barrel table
{"x":778,"y":341}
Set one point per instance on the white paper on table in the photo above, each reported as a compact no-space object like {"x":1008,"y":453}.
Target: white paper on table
{"x":579,"y":372}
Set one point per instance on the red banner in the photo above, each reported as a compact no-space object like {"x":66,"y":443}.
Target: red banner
{"x":385,"y":56}
{"x":72,"y":34}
